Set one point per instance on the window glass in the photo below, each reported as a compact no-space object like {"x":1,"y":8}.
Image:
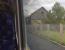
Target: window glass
{"x":46,"y":28}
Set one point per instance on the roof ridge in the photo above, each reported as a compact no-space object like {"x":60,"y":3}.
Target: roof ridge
{"x":38,"y":10}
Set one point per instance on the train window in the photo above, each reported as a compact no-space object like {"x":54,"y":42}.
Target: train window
{"x":51,"y":32}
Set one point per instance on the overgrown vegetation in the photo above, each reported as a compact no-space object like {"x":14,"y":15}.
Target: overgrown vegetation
{"x":52,"y":35}
{"x":55,"y":16}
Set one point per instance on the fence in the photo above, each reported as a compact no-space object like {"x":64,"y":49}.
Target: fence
{"x":43,"y":27}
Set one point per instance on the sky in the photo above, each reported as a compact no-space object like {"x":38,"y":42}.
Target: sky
{"x":30,"y":6}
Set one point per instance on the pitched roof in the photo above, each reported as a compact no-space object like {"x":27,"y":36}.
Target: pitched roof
{"x":39,"y":13}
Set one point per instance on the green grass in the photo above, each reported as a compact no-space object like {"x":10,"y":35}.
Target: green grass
{"x":53,"y":35}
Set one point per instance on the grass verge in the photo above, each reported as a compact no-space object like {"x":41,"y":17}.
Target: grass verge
{"x":52,"y":35}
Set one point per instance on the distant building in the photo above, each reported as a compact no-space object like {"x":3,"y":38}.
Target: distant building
{"x":37,"y":16}
{"x":34,"y":21}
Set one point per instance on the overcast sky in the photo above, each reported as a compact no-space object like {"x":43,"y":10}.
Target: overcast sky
{"x":32,"y":5}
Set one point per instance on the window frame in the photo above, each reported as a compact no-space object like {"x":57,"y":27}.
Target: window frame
{"x":20,"y":25}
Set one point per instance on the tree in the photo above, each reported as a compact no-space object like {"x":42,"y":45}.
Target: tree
{"x":51,"y":18}
{"x":59,"y":12}
{"x":57,"y":15}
